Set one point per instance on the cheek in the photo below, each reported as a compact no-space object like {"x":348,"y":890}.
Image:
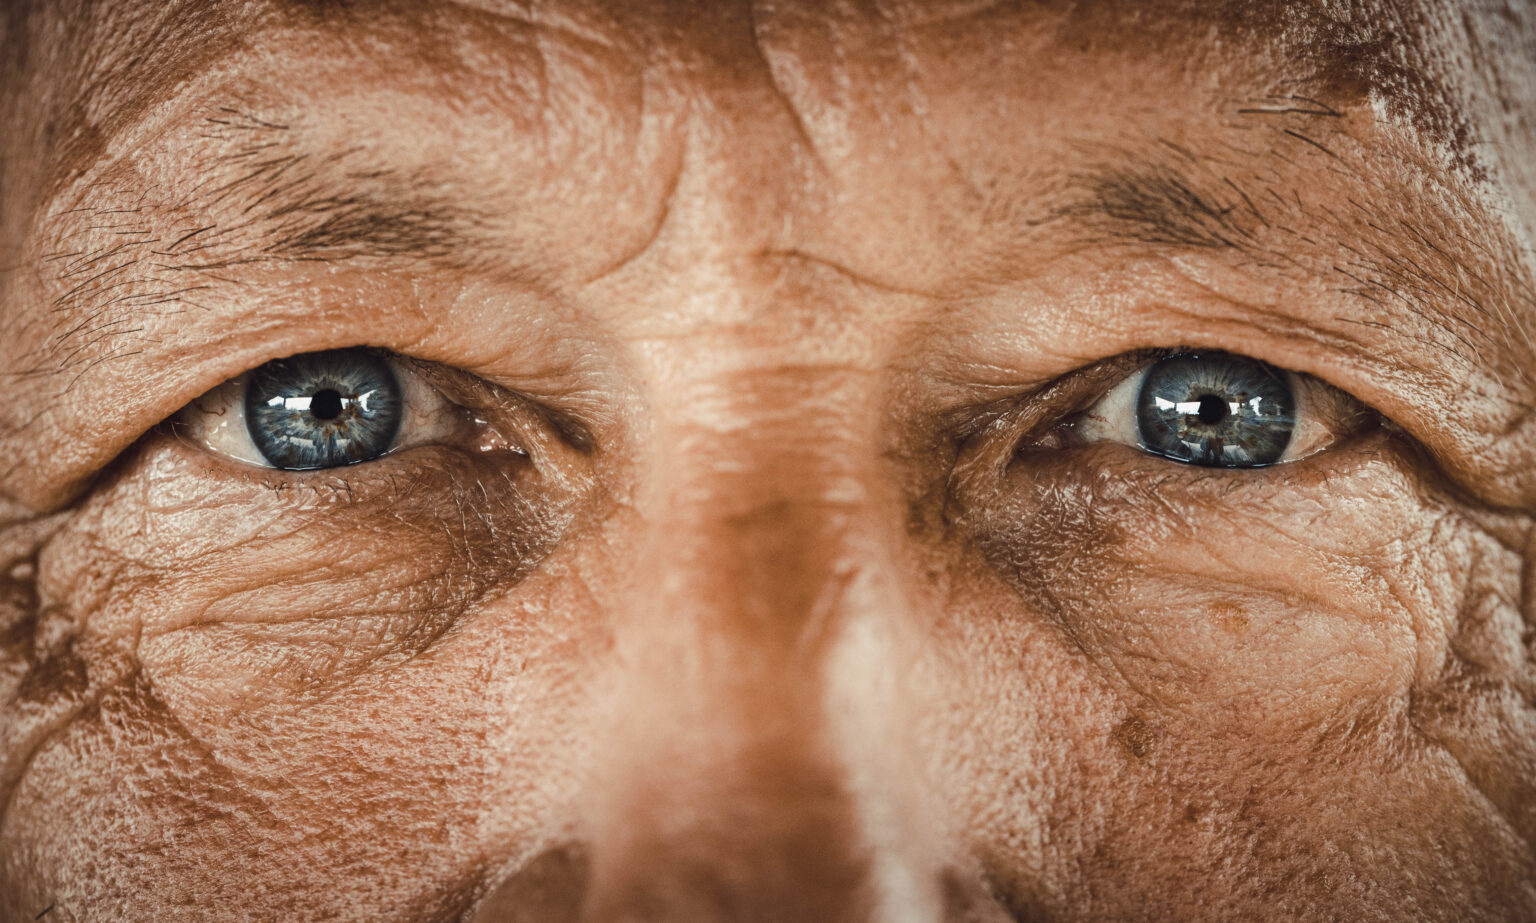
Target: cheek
{"x":411,"y":776}
{"x":341,"y":676}
{"x":1169,"y":673}
{"x":1281,"y":596}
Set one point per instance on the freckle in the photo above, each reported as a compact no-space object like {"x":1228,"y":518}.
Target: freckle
{"x":1231,"y":618}
{"x":1136,"y":737}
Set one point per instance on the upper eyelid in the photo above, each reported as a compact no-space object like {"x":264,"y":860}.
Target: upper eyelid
{"x":1073,"y":392}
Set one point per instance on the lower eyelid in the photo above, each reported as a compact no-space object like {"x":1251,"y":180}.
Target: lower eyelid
{"x":328,"y":489}
{"x":252,"y":534}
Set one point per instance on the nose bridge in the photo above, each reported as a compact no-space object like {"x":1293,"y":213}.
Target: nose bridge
{"x":726,"y":792}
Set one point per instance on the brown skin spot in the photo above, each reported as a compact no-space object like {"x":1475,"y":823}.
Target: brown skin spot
{"x":1136,"y":737}
{"x":1230,"y":617}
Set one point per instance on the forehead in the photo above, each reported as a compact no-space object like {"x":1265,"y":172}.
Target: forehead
{"x":882,"y":96}
{"x":803,"y":125}
{"x":1399,"y":58}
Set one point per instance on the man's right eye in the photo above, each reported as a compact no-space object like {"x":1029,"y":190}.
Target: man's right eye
{"x":325,"y":410}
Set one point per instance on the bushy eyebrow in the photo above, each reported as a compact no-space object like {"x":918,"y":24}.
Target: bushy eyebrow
{"x":347,"y":226}
{"x":1163,"y":193}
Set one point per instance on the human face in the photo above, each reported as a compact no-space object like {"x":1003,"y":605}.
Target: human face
{"x":760,"y":542}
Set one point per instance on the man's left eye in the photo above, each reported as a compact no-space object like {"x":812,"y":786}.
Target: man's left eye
{"x":1220,"y":410}
{"x":322,"y":410}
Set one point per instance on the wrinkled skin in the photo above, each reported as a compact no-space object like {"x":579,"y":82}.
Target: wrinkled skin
{"x":793,"y":603}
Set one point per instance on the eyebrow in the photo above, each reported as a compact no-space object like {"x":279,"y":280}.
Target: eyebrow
{"x":346,"y":227}
{"x":126,"y":259}
{"x":1159,"y":204}
{"x":290,"y":204}
{"x":1436,"y":264}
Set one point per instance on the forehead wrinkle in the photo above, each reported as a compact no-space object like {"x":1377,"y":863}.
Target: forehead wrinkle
{"x":86,"y":73}
{"x":591,"y":26}
{"x":360,"y":227}
{"x":1387,"y":56}
{"x":129,"y":250}
{"x":91,"y":69}
{"x":287,"y":200}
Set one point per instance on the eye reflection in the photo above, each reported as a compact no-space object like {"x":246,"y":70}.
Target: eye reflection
{"x":1217,"y":410}
{"x":332,"y":409}
{"x":323,"y":410}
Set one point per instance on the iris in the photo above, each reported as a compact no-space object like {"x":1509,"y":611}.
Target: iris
{"x":323,"y":409}
{"x":1216,"y":409}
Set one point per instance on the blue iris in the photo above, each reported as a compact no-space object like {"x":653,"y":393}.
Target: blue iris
{"x":1216,"y":409}
{"x":323,"y":410}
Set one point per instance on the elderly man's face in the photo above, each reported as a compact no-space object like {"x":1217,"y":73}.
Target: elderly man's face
{"x":798,"y":461}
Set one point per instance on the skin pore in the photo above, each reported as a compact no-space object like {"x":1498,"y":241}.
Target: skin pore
{"x":787,"y":589}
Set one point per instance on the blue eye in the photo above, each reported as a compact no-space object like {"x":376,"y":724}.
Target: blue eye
{"x":323,"y":409}
{"x":1216,"y":409}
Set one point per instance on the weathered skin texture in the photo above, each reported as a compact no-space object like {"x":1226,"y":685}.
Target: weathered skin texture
{"x":794,"y":597}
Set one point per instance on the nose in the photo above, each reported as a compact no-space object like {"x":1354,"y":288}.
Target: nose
{"x":756,"y":766}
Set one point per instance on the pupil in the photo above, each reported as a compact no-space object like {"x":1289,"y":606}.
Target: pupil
{"x":326,"y":405}
{"x":1212,"y":410}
